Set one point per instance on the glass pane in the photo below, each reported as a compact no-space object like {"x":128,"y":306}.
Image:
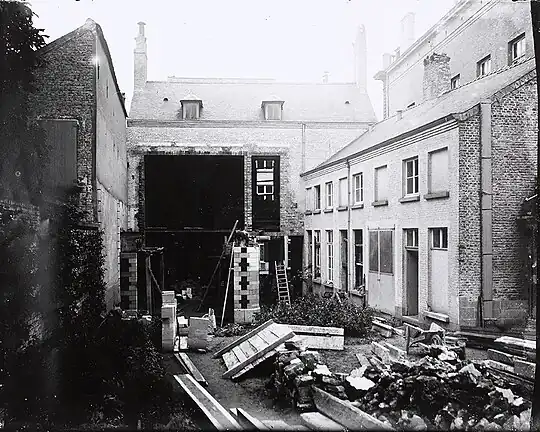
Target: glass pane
{"x":386,"y":251}
{"x":416,"y":167}
{"x":373,"y":251}
{"x":409,"y":169}
{"x":416,"y":184}
{"x":444,"y":238}
{"x":410,"y":185}
{"x":436,"y":238}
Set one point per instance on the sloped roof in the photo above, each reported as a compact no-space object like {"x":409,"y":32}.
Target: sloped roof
{"x":89,"y":25}
{"x":238,"y":99}
{"x":452,"y":102}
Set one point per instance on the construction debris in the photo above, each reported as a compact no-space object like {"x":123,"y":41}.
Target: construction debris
{"x":328,"y":338}
{"x":190,"y":368}
{"x":198,"y":333}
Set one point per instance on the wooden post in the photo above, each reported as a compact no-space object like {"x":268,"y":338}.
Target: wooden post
{"x":227,"y":289}
{"x":148,"y":280}
{"x":162,"y":271}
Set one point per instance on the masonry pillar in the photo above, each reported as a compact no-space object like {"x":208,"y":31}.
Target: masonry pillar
{"x":246,"y":262}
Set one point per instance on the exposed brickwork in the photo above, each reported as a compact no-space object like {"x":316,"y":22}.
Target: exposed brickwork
{"x":469,"y":217}
{"x":436,"y":75}
{"x":514,"y":148}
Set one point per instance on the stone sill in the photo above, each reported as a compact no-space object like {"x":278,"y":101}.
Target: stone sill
{"x":407,"y":199}
{"x":308,"y":212}
{"x":437,"y":316}
{"x":342,"y":208}
{"x":328,"y":210}
{"x":316,"y":211}
{"x":379,"y":203}
{"x":437,"y":195}
{"x":357,"y":206}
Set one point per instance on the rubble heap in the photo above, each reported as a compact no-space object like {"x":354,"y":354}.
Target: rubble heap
{"x":436,"y":394}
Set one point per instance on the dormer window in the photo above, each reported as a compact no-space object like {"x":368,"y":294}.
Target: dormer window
{"x":272,"y":108}
{"x":191,"y":107}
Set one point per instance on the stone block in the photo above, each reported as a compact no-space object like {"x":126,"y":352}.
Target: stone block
{"x":380,"y":351}
{"x":524,"y":369}
{"x":500,"y":357}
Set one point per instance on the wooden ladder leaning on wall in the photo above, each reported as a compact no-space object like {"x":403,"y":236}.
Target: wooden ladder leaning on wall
{"x":282,"y":283}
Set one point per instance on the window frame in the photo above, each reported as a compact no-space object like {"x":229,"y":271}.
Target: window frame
{"x":194,"y":107}
{"x":431,"y":189}
{"x":329,"y":194}
{"x":274,"y":108}
{"x":376,"y":189}
{"x":359,"y":264}
{"x":514,"y":43}
{"x":455,"y":81}
{"x":330,"y":256}
{"x":441,"y":235}
{"x":480,"y":66}
{"x":414,"y":236}
{"x":415,"y":177}
{"x":317,"y":197}
{"x":343,"y":200}
{"x":358,"y":188}
{"x":310,"y":251}
{"x":309,"y":199}
{"x":316,"y":254}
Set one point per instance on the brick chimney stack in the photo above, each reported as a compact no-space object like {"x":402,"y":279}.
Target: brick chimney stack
{"x":140,"y":59}
{"x":436,"y":75}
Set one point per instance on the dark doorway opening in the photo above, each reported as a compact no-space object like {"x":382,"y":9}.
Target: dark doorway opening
{"x":411,"y":268}
{"x":194,"y":192}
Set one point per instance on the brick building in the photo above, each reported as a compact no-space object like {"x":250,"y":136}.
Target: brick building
{"x":479,"y":36}
{"x":421,"y":213}
{"x":80,"y":106}
{"x":204,"y":153}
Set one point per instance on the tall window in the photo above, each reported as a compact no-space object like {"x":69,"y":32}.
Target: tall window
{"x":381,"y":183}
{"x":310,"y":251}
{"x":358,"y":187}
{"x":343,"y":192}
{"x":358,"y":259}
{"x":317,"y":197}
{"x":438,"y":170}
{"x":439,"y":238}
{"x":190,"y":110}
{"x":329,"y":187}
{"x":265,"y":177}
{"x":330,"y":254}
{"x":516,"y":48}
{"x":317,"y":253}
{"x":483,"y":67}
{"x":455,"y":81}
{"x":309,"y":199}
{"x":411,"y":176}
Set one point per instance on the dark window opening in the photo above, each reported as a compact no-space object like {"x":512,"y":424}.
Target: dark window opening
{"x":265,"y":188}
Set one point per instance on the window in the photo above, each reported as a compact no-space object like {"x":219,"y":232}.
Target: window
{"x":272,"y":110}
{"x":411,"y":238}
{"x":190,"y":110}
{"x":381,"y":252}
{"x":411,"y":176}
{"x":310,"y":251}
{"x":483,"y":67}
{"x":330,"y":255}
{"x":381,"y":183}
{"x":317,"y":253}
{"x":343,"y":192}
{"x":329,"y":187}
{"x":454,"y":82}
{"x":439,"y":238}
{"x":317,"y":197}
{"x":358,"y":186}
{"x":358,"y":259}
{"x":265,"y":192}
{"x":438,"y":170}
{"x":516,"y":48}
{"x":309,"y":199}
{"x":411,"y":105}
{"x":265,"y":178}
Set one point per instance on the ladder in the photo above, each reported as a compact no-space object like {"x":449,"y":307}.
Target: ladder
{"x":282,"y":283}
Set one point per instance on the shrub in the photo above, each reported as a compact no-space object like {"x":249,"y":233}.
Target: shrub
{"x":314,"y":310}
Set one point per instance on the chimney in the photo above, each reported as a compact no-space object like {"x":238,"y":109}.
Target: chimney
{"x":399,"y":114}
{"x":386,"y":60}
{"x":407,"y":31}
{"x":360,"y":58}
{"x":325,"y":76}
{"x":436,"y":75}
{"x":140,"y":59}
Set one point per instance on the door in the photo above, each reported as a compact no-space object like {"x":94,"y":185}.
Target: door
{"x":411,"y":269}
{"x":381,"y":271}
{"x":344,"y":259}
{"x":438,"y":274}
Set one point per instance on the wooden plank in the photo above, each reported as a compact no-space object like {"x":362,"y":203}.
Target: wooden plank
{"x":191,"y":368}
{"x":268,"y":336}
{"x":279,"y":425}
{"x":516,"y":343}
{"x":257,"y":342}
{"x":218,"y":416}
{"x":247,"y":348}
{"x":315,"y":330}
{"x":524,"y":369}
{"x":239,"y":354}
{"x":257,"y":355}
{"x":335,"y":343}
{"x":362,"y":359}
{"x":252,"y":422}
{"x":500,"y":356}
{"x":230,"y":359}
{"x":260,"y":360}
{"x":279,"y":329}
{"x":317,"y":421}
{"x":344,"y":413}
{"x":243,"y":338}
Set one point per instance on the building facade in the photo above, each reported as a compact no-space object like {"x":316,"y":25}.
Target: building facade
{"x":419,"y":216}
{"x":204,"y":153}
{"x":479,"y":36}
{"x":82,"y":111}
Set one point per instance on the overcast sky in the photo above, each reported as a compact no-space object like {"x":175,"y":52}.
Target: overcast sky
{"x":289,"y":40}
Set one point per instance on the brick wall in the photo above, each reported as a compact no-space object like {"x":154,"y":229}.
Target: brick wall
{"x":514,"y":149}
{"x":469,"y":218}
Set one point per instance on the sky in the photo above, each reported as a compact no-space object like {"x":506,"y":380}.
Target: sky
{"x":288,"y":40}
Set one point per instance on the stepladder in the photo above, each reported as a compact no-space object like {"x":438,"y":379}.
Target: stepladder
{"x":282,"y":283}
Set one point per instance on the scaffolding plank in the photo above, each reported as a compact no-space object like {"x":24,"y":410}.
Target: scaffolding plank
{"x":186,"y":362}
{"x":243,"y":338}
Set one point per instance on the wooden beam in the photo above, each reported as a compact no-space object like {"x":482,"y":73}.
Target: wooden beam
{"x":318,"y":421}
{"x":148,"y":285}
{"x":344,"y":413}
{"x":220,"y":418}
{"x":188,"y":365}
{"x":329,"y":338}
{"x":242,"y":338}
{"x":252,"y":422}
